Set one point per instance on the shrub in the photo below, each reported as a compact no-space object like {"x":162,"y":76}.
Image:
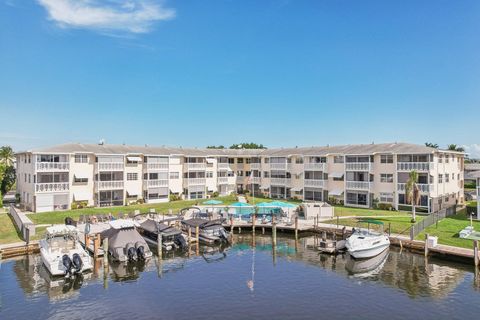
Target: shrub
{"x":140,"y":201}
{"x":174,"y":197}
{"x":17,"y":198}
{"x":215,"y":194}
{"x":79,"y":204}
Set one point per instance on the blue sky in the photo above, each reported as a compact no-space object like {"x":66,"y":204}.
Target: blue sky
{"x":277,"y":72}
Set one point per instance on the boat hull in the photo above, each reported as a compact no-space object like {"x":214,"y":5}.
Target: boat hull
{"x":368,"y":252}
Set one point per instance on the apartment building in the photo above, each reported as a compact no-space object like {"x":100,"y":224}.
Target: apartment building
{"x":357,"y":175}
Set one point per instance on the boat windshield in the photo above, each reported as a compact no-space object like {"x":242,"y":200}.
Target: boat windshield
{"x":369,"y":227}
{"x":61,"y":243}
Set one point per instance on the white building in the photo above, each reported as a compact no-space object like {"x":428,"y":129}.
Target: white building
{"x":357,"y":175}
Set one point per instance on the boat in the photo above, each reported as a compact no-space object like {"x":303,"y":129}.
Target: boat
{"x":365,"y":268}
{"x":366,"y":242}
{"x":62,"y":253}
{"x":210,"y":231}
{"x":124,"y":242}
{"x":172,"y":238}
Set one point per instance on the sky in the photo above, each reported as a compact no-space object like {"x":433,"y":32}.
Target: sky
{"x":276,"y":72}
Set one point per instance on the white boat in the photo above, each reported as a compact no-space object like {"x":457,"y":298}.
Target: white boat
{"x":62,"y":253}
{"x":365,"y":242}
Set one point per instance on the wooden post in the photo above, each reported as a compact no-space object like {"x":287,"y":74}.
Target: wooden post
{"x":263,"y":230}
{"x":314,"y":223}
{"x":476,"y":257}
{"x":296,"y":227}
{"x":231,"y":224}
{"x":239,"y":230}
{"x":426,"y":244}
{"x":105,"y":252}
{"x":389,"y":229}
{"x":324,"y":235}
{"x":274,"y":231}
{"x":96,"y":244}
{"x":159,"y":246}
{"x":338,"y":221}
{"x":197,"y":234}
{"x":254,"y":217}
{"x":189,"y":235}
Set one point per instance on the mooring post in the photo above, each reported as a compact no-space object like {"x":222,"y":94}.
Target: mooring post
{"x":324,"y":235}
{"x":476,"y":257}
{"x":338,"y":221}
{"x":231,"y":224}
{"x":96,"y":242}
{"x":105,"y":252}
{"x":426,"y":244}
{"x":254,"y":217}
{"x":189,"y":235}
{"x":314,"y":223}
{"x":197,"y":233}
{"x":296,"y":228}
{"x":274,"y":231}
{"x":389,"y":229}
{"x":159,"y":246}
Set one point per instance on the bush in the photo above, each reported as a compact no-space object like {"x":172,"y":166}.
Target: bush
{"x":140,"y":201}
{"x":174,"y":197}
{"x":79,"y":204}
{"x":215,"y":194}
{"x":1,"y":200}
{"x":17,"y":198}
{"x":384,"y":206}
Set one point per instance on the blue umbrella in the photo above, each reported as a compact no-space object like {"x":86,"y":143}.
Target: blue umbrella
{"x":283,"y":204}
{"x":213,"y":202}
{"x":239,"y":206}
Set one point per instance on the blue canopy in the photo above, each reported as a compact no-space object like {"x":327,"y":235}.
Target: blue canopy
{"x":282,"y":204}
{"x":239,"y":204}
{"x":265,"y":204}
{"x":213,"y":202}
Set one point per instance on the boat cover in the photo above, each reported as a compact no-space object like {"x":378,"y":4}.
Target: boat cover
{"x":118,"y":239}
{"x":154,"y":227}
{"x":202,"y":223}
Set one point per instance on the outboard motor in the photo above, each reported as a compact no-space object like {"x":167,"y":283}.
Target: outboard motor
{"x":141,"y":253}
{"x":67,"y":263}
{"x":223,"y":235}
{"x":131,"y":252}
{"x":70,"y":222}
{"x":180,"y":241}
{"x":77,"y":263}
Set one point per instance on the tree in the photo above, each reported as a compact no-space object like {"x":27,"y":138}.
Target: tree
{"x":431,"y":145}
{"x":216,"y":147}
{"x":8,"y":180}
{"x":6,"y":155}
{"x":412,"y":192}
{"x":454,"y":147}
{"x":247,"y":145}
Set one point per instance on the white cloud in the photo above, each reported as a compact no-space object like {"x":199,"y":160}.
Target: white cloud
{"x":132,"y":16}
{"x":473,"y":150}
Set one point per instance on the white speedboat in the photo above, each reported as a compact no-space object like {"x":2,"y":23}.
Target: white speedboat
{"x":365,"y":242}
{"x":62,"y":253}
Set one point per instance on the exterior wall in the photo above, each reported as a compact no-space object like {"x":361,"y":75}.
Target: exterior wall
{"x":82,"y":191}
{"x":25,"y":179}
{"x":133,"y":188}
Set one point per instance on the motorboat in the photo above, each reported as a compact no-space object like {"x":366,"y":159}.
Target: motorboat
{"x":365,"y":268}
{"x":366,"y":242}
{"x":210,"y":231}
{"x":124,"y":241}
{"x":62,"y":253}
{"x":172,"y":238}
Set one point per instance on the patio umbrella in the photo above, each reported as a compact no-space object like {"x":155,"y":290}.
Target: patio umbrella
{"x":240,"y":206}
{"x":264,"y":206}
{"x":283,"y":204}
{"x":212,"y":202}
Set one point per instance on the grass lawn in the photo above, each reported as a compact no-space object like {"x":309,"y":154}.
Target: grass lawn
{"x":398,"y":224}
{"x":341,"y":211}
{"x":448,"y":229}
{"x":8,"y":233}
{"x":59,"y":216}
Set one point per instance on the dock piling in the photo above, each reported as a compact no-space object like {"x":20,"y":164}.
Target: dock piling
{"x":274,"y":231}
{"x":426,"y":244}
{"x":197,"y":234}
{"x":105,"y":252}
{"x":296,"y":227}
{"x":96,"y":244}
{"x":476,"y":254}
{"x":189,"y":235}
{"x":254,"y":217}
{"x":159,"y":246}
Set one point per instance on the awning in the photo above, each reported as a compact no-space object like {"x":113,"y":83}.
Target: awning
{"x":81,"y":176}
{"x":132,"y":191}
{"x":81,"y":195}
{"x":296,"y":189}
{"x":336,"y":174}
{"x":210,"y":160}
{"x":134,"y":159}
{"x":264,"y":187}
{"x":335,"y":192}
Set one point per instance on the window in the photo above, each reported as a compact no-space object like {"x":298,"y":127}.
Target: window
{"x":440,"y":178}
{"x":209,"y":174}
{"x":81,"y":158}
{"x":386,"y":177}
{"x":79,"y":180}
{"x":266,"y":160}
{"x":298,"y":160}
{"x":386,"y":158}
{"x":453,"y":176}
{"x":248,"y":161}
{"x":231,"y":160}
{"x":240,"y":173}
{"x":338,"y":159}
{"x":266,"y":174}
{"x":29,"y":178}
{"x":174,"y":175}
{"x":132,"y":176}
{"x":29,"y":159}
{"x":247,"y":173}
{"x":386,"y":197}
{"x":440,"y":158}
{"x":240,"y":160}
{"x":447,"y":177}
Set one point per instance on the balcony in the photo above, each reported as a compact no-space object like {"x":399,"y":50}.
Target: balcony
{"x":315,"y":166}
{"x":358,"y":185}
{"x":256,"y":180}
{"x":279,"y":181}
{"x":52,"y":166}
{"x":423,"y":187}
{"x":417,"y":166}
{"x":109,"y":185}
{"x":52,"y":187}
{"x":156,"y":183}
{"x":255,"y":166}
{"x":157,"y":166}
{"x":278,"y":166}
{"x":358,"y":166}
{"x":223,"y":166}
{"x":314,"y":183}
{"x":110,"y":166}
{"x":196,"y":181}
{"x":226,"y":180}
{"x":196,"y":166}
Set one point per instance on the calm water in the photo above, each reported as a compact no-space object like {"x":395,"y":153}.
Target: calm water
{"x":243,"y":281}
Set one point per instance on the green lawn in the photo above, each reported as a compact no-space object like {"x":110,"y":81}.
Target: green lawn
{"x":8,"y":233}
{"x":398,"y":225}
{"x":341,"y":211}
{"x":448,"y":229}
{"x":59,"y":216}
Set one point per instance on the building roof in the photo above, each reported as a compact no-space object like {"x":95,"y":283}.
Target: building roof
{"x":472,"y":166}
{"x":359,"y":149}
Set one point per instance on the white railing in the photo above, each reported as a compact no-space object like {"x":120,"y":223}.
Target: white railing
{"x":358,"y":185}
{"x":409,"y":166}
{"x":222,"y":180}
{"x":196,"y":181}
{"x":315,"y":166}
{"x":358,"y":166}
{"x":314,"y":183}
{"x":110,"y":166}
{"x":223,"y":165}
{"x":109,"y":185}
{"x":157,"y":166}
{"x":52,"y":187}
{"x":279,"y":181}
{"x":255,"y":165}
{"x":278,"y":166}
{"x":423,"y":187}
{"x":157,"y":183}
{"x":196,"y":166}
{"x":52,"y":166}
{"x":255,"y":179}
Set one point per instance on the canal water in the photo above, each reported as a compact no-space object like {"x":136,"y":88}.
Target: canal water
{"x":246,"y":280}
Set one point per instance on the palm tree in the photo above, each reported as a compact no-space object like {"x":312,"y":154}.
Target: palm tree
{"x":454,"y":147}
{"x":6,"y":155}
{"x":412,"y":192}
{"x":431,"y":145}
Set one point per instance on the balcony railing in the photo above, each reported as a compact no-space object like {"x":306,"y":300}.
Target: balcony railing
{"x":157,"y":183}
{"x":278,"y":166}
{"x":358,"y":166}
{"x":157,"y":166}
{"x":423,"y":187}
{"x":315,"y":166}
{"x":279,"y":181}
{"x":196,"y":166}
{"x":196,"y":181}
{"x":110,"y":166}
{"x":223,"y":165}
{"x":417,"y":166}
{"x":358,"y":185}
{"x":314,"y":183}
{"x":255,"y":165}
{"x":52,"y":187}
{"x":109,"y":185}
{"x":52,"y":166}
{"x":255,"y":179}
{"x":226,"y":180}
